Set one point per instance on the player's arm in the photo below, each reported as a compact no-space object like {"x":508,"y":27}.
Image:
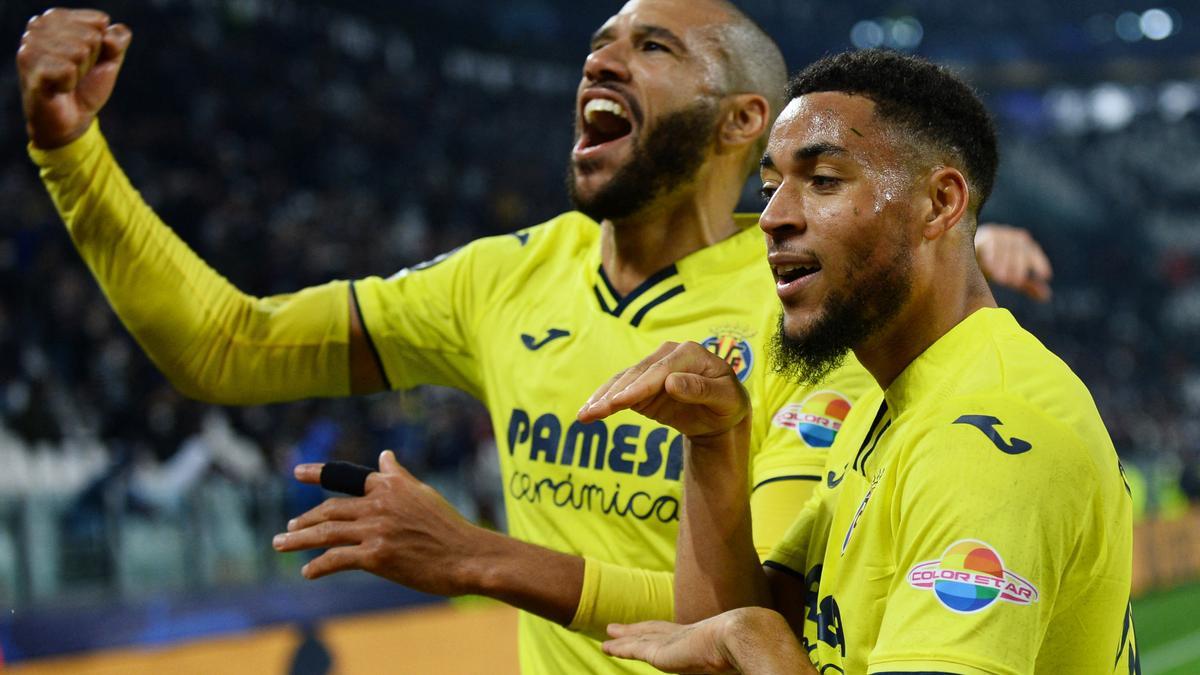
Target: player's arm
{"x":212,"y":341}
{"x":694,"y":391}
{"x":403,"y":530}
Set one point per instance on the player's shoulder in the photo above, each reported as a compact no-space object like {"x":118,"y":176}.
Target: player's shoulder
{"x":562,"y":233}
{"x":1009,"y":441}
{"x":1024,"y":380}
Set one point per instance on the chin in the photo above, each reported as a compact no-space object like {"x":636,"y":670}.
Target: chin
{"x":798,"y":322}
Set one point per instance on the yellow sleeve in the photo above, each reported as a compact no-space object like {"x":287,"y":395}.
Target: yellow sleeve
{"x":424,"y":322}
{"x":985,"y":559}
{"x":793,"y":430}
{"x":212,"y":341}
{"x":615,"y":594}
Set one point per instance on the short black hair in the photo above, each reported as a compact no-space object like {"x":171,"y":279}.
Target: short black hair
{"x":923,"y":99}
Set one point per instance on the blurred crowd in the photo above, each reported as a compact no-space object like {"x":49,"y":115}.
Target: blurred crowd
{"x":288,"y":151}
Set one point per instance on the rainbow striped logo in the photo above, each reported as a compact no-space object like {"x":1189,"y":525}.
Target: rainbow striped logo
{"x":817,"y":419}
{"x":971,"y":577}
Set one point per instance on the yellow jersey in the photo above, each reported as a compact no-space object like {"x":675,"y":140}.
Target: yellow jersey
{"x":529,"y":323}
{"x":973,"y":519}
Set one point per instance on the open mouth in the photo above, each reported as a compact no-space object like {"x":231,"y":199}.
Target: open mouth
{"x":786,"y":274}
{"x":604,"y":121}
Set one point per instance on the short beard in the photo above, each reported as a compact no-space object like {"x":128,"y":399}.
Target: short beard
{"x":669,"y":156}
{"x":850,"y":316}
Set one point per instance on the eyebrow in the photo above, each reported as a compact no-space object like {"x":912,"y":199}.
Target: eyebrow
{"x":641,"y":32}
{"x":806,"y":153}
{"x":817,"y":149}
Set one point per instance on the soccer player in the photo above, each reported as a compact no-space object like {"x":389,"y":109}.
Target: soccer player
{"x":973,"y":517}
{"x":672,"y":110}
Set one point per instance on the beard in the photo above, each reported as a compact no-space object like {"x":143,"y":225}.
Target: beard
{"x":851,"y":314}
{"x":669,"y":156}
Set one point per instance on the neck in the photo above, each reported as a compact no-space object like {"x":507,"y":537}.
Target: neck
{"x":674,"y":226}
{"x":931,"y":312}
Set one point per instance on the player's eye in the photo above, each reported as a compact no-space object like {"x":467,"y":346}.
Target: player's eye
{"x":766,"y":192}
{"x":822,"y":182}
{"x":652,"y":46}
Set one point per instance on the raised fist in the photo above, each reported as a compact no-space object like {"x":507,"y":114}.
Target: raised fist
{"x":67,"y":65}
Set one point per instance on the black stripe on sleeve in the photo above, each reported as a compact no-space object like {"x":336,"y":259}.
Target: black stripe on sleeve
{"x":800,"y":476}
{"x":780,"y":567}
{"x":370,"y":340}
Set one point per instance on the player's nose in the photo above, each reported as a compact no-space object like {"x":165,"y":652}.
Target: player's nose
{"x":783,"y":215}
{"x":607,"y":63}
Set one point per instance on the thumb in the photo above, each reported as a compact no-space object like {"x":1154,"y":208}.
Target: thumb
{"x":689,"y":387}
{"x":388,"y":463}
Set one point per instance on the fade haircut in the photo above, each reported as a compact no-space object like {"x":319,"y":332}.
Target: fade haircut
{"x":751,"y":63}
{"x":927,"y":102}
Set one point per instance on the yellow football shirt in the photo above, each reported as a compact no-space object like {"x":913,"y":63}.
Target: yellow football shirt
{"x":529,"y":323}
{"x":973,"y":519}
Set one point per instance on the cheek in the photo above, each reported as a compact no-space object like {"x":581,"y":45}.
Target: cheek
{"x":889,"y":189}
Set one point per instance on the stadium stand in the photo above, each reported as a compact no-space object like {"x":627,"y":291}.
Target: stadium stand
{"x":292,"y":144}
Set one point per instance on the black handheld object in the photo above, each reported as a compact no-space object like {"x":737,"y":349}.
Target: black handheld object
{"x":346,"y":477}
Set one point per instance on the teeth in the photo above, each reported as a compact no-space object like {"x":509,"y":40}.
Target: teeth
{"x":792,"y":269}
{"x":602,"y":105}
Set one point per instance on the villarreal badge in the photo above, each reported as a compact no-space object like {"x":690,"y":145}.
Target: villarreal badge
{"x":732,"y":345}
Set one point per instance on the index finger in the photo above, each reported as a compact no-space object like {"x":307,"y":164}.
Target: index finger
{"x":308,"y":473}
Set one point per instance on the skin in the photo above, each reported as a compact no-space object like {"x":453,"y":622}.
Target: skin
{"x":830,"y":176}
{"x":659,"y":56}
{"x":68,"y":63}
{"x":745,"y":640}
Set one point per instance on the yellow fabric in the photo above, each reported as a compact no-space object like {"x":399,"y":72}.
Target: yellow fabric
{"x":212,"y":341}
{"x":976,"y":522}
{"x":616,"y":594}
{"x":528,"y":323}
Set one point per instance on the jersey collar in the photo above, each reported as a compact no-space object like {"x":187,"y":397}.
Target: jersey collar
{"x":729,"y":255}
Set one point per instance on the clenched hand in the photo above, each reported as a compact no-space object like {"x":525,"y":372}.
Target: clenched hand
{"x":67,"y":66}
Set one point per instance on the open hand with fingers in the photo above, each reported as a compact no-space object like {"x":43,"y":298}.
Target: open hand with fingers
{"x":749,"y":640}
{"x":400,"y":529}
{"x":683,"y":386}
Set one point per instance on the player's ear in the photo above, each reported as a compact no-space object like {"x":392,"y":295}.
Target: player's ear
{"x":947,"y":199}
{"x":745,"y":119}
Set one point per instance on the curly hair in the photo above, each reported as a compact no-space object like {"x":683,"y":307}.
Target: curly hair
{"x":932,"y":105}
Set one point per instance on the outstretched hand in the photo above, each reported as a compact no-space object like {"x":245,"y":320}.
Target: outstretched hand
{"x":671,"y":647}
{"x":748,"y":640}
{"x":67,"y":66}
{"x":401,"y":530}
{"x":1011,"y":257}
{"x":683,"y":386}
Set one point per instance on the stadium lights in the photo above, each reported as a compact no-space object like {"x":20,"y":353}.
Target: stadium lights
{"x":904,"y":33}
{"x":1153,"y":24}
{"x":1156,"y":24}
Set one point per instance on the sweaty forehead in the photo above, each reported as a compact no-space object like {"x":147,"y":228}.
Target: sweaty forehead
{"x":825,"y":118}
{"x":679,"y":16}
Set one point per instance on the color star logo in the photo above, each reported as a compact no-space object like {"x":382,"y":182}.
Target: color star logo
{"x":970,"y":577}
